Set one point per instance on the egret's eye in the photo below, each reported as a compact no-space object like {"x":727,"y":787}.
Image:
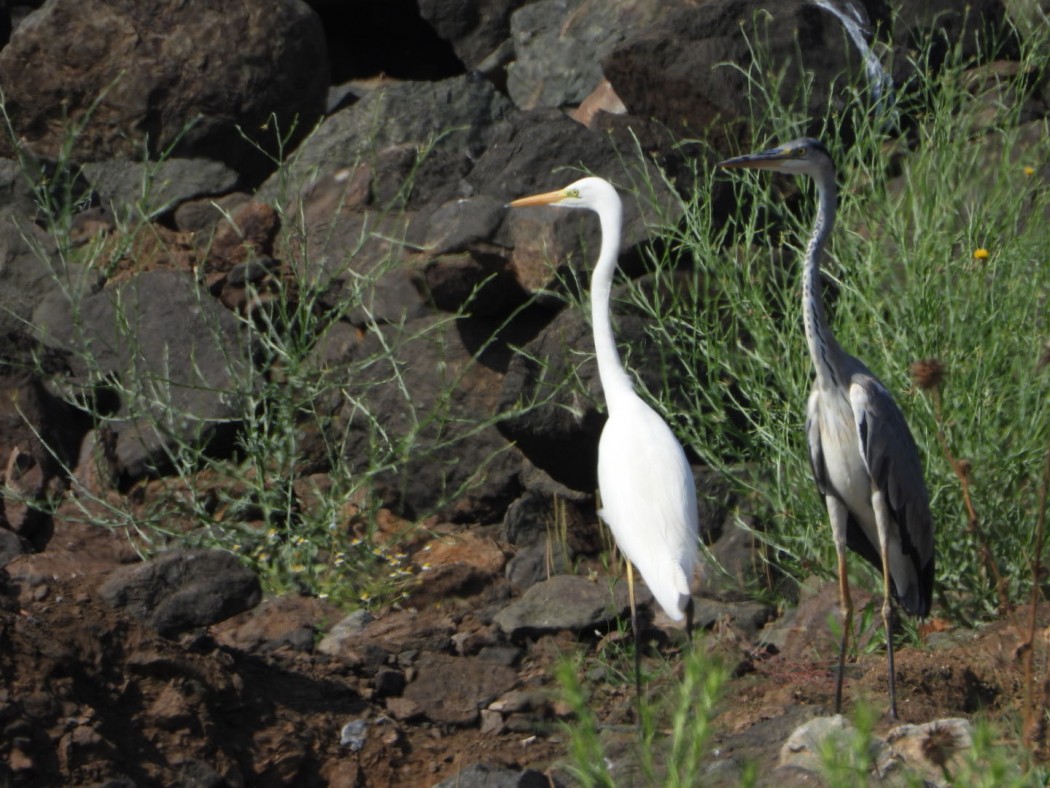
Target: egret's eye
{"x":574,"y":193}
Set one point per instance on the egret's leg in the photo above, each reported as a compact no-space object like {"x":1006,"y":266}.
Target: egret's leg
{"x":637,"y":641}
{"x":839,"y":515}
{"x":689,"y":620}
{"x":882,"y":520}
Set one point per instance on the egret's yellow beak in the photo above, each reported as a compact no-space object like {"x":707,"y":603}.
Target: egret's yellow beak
{"x":548,"y":198}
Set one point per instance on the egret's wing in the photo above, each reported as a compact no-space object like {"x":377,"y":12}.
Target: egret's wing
{"x":892,"y":459}
{"x":649,"y":502}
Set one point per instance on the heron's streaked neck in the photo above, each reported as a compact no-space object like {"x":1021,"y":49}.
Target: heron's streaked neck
{"x":823,"y":348}
{"x":614,"y":379}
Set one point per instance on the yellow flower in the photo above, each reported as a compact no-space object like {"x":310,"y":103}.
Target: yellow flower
{"x":980,"y":253}
{"x":1029,"y":171}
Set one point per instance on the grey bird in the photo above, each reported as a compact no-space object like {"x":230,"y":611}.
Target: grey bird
{"x":863,"y":455}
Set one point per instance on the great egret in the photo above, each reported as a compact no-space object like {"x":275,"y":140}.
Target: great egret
{"x":647,"y":489}
{"x":863,"y":456}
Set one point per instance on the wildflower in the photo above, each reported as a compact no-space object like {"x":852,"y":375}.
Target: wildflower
{"x":980,"y":253}
{"x":928,"y":373}
{"x":1029,"y":171}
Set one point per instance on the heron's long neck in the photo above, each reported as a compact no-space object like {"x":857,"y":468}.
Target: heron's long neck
{"x":614,"y":379}
{"x":823,"y":348}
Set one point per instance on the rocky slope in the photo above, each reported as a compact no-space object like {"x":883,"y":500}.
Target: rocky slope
{"x":145,"y":224}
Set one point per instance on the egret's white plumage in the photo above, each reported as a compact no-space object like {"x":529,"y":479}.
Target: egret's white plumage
{"x":646,"y":486}
{"x":864,"y":459}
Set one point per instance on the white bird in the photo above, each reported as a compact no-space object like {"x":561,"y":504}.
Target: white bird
{"x":647,"y":490}
{"x":864,"y":459}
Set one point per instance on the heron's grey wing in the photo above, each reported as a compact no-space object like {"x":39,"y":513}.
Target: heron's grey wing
{"x":816,"y":447}
{"x":857,"y":538}
{"x":892,"y":459}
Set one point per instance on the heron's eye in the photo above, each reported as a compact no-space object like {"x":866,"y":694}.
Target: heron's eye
{"x":574,"y":193}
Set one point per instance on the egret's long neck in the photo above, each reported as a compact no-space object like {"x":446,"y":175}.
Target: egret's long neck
{"x":823,"y":348}
{"x":614,"y":379}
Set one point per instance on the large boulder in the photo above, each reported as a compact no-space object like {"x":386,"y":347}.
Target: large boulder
{"x":129,"y":76}
{"x":168,"y":351}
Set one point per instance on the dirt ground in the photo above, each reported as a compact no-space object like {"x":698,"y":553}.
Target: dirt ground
{"x":91,"y":696}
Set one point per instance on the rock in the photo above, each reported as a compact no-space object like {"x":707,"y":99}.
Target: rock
{"x":31,"y":272}
{"x":565,"y":602}
{"x":480,"y":775}
{"x":455,"y":116}
{"x":395,"y":633}
{"x":733,"y":567}
{"x":453,"y":690}
{"x":807,"y":744}
{"x":749,"y":616}
{"x":130,"y":80}
{"x":284,"y":622}
{"x":675,"y":69}
{"x":176,"y":354}
{"x":12,"y":545}
{"x":132,"y":190}
{"x":537,"y":562}
{"x":38,"y":437}
{"x":434,"y":396}
{"x":932,"y":751}
{"x":458,"y":223}
{"x":559,"y":45}
{"x":183,"y":589}
{"x":474,"y":29}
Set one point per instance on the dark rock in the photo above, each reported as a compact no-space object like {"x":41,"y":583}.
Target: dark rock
{"x":564,"y":602}
{"x":175,"y":352}
{"x":679,"y":69}
{"x":122,"y":73}
{"x":458,"y":223}
{"x":12,"y":545}
{"x":452,"y":119}
{"x":481,"y":775}
{"x":31,"y":273}
{"x":433,"y":389}
{"x":453,"y":690}
{"x":389,"y":682}
{"x":284,"y":622}
{"x":474,"y":29}
{"x":183,"y":589}
{"x":747,"y":617}
{"x":133,"y":190}
{"x":559,"y":45}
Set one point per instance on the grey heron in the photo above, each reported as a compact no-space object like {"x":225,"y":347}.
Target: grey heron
{"x":647,"y":490}
{"x":864,"y":458}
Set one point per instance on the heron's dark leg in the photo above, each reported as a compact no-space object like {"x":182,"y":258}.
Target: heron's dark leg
{"x":882,"y":519}
{"x":689,"y":619}
{"x":637,"y":641}
{"x":839,"y":515}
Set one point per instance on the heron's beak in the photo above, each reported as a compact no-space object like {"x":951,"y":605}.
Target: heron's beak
{"x":766,"y":160}
{"x":548,"y":198}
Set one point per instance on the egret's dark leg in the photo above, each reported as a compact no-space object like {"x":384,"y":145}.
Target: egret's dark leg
{"x":839,"y":516}
{"x":689,"y":620}
{"x":882,"y":519}
{"x":637,"y":641}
